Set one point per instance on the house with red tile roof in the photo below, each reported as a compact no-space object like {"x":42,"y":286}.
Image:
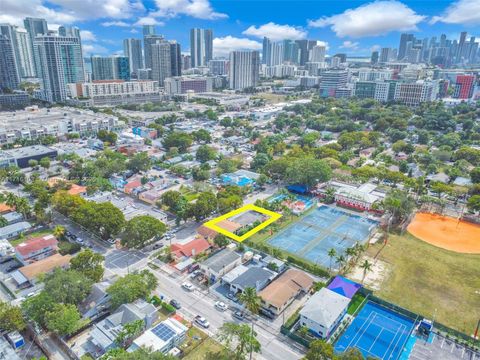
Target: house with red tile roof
{"x":191,"y":248}
{"x":37,"y":248}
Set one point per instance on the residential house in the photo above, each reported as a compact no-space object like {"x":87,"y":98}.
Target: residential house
{"x":367,"y":153}
{"x":105,"y":332}
{"x":279,"y":294}
{"x":254,"y":277}
{"x":191,"y":248}
{"x":97,"y":302}
{"x":163,"y":337}
{"x":29,"y":273}
{"x":12,"y":217}
{"x":10,"y":231}
{"x":220,"y":263}
{"x":323,"y":312}
{"x":206,"y":233}
{"x":36,"y":249}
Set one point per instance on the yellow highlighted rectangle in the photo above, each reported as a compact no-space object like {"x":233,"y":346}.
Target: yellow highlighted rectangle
{"x":273,"y":216}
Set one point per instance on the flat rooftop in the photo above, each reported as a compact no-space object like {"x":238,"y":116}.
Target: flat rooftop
{"x":25,"y":151}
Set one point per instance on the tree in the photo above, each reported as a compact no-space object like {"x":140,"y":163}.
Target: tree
{"x":89,"y":263}
{"x":259,"y":161}
{"x":44,"y":162}
{"x":473,"y":203}
{"x":399,"y":204}
{"x":331,"y":254}
{"x":242,"y":336}
{"x":308,"y":172}
{"x":32,"y":163}
{"x":129,"y":331}
{"x":3,"y":221}
{"x":59,"y":232}
{"x":251,"y":301}
{"x":140,"y":229}
{"x":11,"y":318}
{"x":139,"y":162}
{"x":221,"y":240}
{"x":104,"y":219}
{"x":36,"y":307}
{"x":138,"y":354}
{"x":202,"y":135}
{"x":205,"y":153}
{"x":206,"y":204}
{"x":475,"y":175}
{"x":178,"y":139}
{"x":63,"y":319}
{"x":170,"y":199}
{"x":67,"y":286}
{"x":132,"y":287}
{"x":320,"y":350}
{"x":366,"y":266}
{"x":107,"y":136}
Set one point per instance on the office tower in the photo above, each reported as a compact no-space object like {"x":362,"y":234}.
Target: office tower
{"x":175,"y":58}
{"x":69,"y":31}
{"x":132,"y":49}
{"x":9,"y":78}
{"x":60,"y":62}
{"x":402,"y":49}
{"x":110,"y":68}
{"x":201,"y":47}
{"x":149,"y":30}
{"x":374,"y":58}
{"x":317,"y":54}
{"x":161,"y":61}
{"x":386,"y":55}
{"x":244,"y":69}
{"x":461,"y":46}
{"x":25,"y":54}
{"x":185,"y":62}
{"x":331,"y":81}
{"x":148,"y":40}
{"x":218,"y":66}
{"x":291,"y":51}
{"x":266,"y":48}
{"x":34,"y":27}
{"x":8,"y":31}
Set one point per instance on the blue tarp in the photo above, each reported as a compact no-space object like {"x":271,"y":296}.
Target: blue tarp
{"x":298,"y":188}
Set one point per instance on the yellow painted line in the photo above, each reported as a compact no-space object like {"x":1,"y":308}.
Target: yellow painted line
{"x":273,"y":216}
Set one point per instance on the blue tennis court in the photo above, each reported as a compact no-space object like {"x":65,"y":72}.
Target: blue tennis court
{"x":313,"y":235}
{"x":378,"y":332}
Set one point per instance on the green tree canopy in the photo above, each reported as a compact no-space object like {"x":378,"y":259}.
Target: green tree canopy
{"x":139,"y":162}
{"x":67,"y":286}
{"x":308,"y":172}
{"x":131,"y":287}
{"x":89,"y":263}
{"x":63,"y":319}
{"x":140,"y":229}
{"x":11,"y":318}
{"x":206,"y":153}
{"x":242,"y":337}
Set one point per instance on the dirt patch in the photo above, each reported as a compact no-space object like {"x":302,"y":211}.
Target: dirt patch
{"x":375,"y":277}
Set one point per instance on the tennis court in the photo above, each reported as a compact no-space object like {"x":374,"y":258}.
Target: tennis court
{"x":313,"y":235}
{"x":378,"y":332}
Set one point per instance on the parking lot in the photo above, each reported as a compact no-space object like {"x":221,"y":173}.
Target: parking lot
{"x":441,"y":348}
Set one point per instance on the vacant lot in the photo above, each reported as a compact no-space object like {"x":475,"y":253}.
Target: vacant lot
{"x":209,"y":346}
{"x":425,"y":278}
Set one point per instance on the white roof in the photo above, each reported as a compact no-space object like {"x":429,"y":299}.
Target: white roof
{"x":235,"y":273}
{"x":153,"y":341}
{"x":357,"y":194}
{"x":324,"y":307}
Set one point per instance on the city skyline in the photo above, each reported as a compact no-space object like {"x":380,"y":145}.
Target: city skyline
{"x":353,"y":28}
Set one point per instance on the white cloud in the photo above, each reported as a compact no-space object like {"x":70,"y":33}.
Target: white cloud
{"x":324,"y":43}
{"x":87,"y":35}
{"x":375,"y":48}
{"x":201,"y":9}
{"x":222,"y":46}
{"x":276,"y":32}
{"x":88,"y":9}
{"x":148,"y":20}
{"x":14,"y":11}
{"x":93,"y":49}
{"x":352,"y":45}
{"x":372,"y":19}
{"x":116,"y":23}
{"x":464,"y":12}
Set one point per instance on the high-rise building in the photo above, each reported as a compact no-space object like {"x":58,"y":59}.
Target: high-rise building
{"x":161,"y":61}
{"x":317,"y":54}
{"x":331,"y":81}
{"x":60,"y":62}
{"x":291,"y":51}
{"x":9,"y":78}
{"x":266,"y":48}
{"x":149,"y":30}
{"x":132,"y":49}
{"x":402,"y":49}
{"x":34,"y":27}
{"x":218,"y":66}
{"x":148,"y":40}
{"x":244,"y":69}
{"x":175,"y":58}
{"x":201,"y":47}
{"x":110,"y":68}
{"x":25,"y":54}
{"x":386,"y":55}
{"x":374,"y":57}
{"x":304,"y":47}
{"x":185,"y":62}
{"x":464,"y":86}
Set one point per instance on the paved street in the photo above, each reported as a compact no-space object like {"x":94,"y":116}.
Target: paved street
{"x":274,"y":345}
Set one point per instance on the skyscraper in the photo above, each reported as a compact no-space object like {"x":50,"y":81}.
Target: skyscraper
{"x":8,"y":31}
{"x":34,"y":27}
{"x":25,"y":54}
{"x":266,"y":50}
{"x":9,"y":78}
{"x":110,"y":68}
{"x":201,"y":47}
{"x":304,"y":47}
{"x":132,"y":48}
{"x":402,"y":49}
{"x":60,"y":62}
{"x":148,"y":40}
{"x":149,"y":30}
{"x":244,"y":69}
{"x":317,"y":54}
{"x":161,"y":61}
{"x":175,"y":59}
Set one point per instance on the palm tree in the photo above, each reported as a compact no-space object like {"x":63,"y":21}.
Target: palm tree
{"x":331,"y":253}
{"x":251,"y":301}
{"x":350,"y":252}
{"x":366,"y":266}
{"x":59,"y":231}
{"x":22,"y":206}
{"x":11,"y":199}
{"x":340,"y":260}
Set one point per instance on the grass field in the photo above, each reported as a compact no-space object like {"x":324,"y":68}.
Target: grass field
{"x":29,"y":236}
{"x":357,"y":300}
{"x":425,"y":278}
{"x":208,"y":346}
{"x":271,"y":98}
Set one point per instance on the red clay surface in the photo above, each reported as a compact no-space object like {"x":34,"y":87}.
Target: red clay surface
{"x":446,"y":232}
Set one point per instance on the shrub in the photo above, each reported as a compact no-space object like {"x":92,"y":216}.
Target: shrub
{"x":69,"y":248}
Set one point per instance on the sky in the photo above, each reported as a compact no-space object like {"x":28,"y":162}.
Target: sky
{"x":346,"y":26}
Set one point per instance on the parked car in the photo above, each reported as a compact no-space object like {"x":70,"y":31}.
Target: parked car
{"x":239,"y":315}
{"x":5,"y":260}
{"x":221,"y":306}
{"x":175,"y":304}
{"x":79,"y":240}
{"x":200,"y":320}
{"x":231,"y":296}
{"x":194,"y":274}
{"x":188,"y":286}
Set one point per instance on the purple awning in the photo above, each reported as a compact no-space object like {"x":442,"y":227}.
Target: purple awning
{"x":344,"y":287}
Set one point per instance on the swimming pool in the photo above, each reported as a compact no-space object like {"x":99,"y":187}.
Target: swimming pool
{"x":313,"y":235}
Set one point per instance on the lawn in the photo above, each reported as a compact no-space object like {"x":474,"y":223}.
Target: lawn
{"x":357,"y":300}
{"x":208,"y":346}
{"x":29,"y":236}
{"x":425,"y":278}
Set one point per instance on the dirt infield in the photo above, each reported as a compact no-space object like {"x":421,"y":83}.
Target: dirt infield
{"x":446,"y":232}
